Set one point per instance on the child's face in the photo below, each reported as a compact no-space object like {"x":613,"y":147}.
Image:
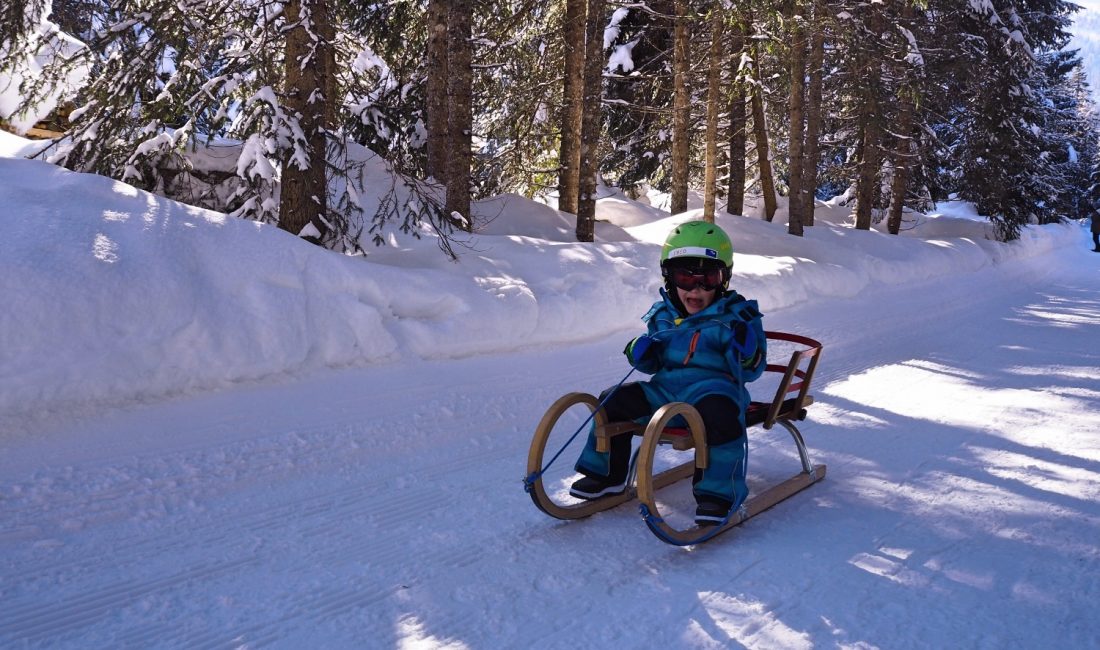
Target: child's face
{"x":696,"y":300}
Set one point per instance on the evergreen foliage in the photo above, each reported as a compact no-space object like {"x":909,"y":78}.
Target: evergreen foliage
{"x":919,"y":100}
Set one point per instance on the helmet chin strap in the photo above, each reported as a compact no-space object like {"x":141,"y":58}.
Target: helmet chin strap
{"x":674,"y":297}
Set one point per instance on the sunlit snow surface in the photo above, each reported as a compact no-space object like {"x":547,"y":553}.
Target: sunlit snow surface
{"x":215,"y":435}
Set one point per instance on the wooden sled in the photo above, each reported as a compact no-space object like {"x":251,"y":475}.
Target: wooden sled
{"x":788,"y":406}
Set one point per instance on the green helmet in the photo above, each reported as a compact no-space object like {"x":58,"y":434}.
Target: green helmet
{"x":698,"y":239}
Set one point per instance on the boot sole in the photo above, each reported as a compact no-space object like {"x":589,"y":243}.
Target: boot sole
{"x":611,"y":490}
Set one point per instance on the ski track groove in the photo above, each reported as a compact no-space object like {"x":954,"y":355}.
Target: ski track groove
{"x":330,"y":510}
{"x":261,"y":521}
{"x":384,"y":516}
{"x":80,"y":612}
{"x":239,"y":639}
{"x":31,"y":612}
{"x":145,"y":636}
{"x":325,"y":605}
{"x":342,"y":601}
{"x":251,"y":636}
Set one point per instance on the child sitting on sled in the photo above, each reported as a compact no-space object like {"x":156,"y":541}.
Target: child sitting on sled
{"x":704,"y":343}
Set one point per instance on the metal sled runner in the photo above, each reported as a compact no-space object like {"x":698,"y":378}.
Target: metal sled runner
{"x":789,"y":405}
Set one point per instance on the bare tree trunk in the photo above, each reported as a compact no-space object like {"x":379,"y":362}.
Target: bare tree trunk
{"x":903,"y":159}
{"x":795,"y":112}
{"x":714,"y":92}
{"x":681,"y":109}
{"x":438,"y":118}
{"x":904,"y":153}
{"x":590,"y":123}
{"x":460,"y":125}
{"x":868,"y":167}
{"x":760,"y":131}
{"x":813,"y":113}
{"x":569,"y":153}
{"x":327,"y":30}
{"x":735,"y":202}
{"x":304,"y":189}
{"x":871,"y":128}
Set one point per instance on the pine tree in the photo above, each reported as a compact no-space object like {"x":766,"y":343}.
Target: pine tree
{"x":907,"y":71}
{"x":572,"y":110}
{"x":760,"y":134}
{"x":797,"y":119}
{"x":814,"y":111}
{"x":591,"y":121}
{"x":308,"y":94}
{"x":437,"y":122}
{"x":1003,"y":149}
{"x":738,"y":123}
{"x":460,"y":110}
{"x":27,"y":37}
{"x":714,"y":99}
{"x":903,"y":103}
{"x":681,"y":107}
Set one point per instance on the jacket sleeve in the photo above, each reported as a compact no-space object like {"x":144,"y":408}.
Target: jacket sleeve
{"x":753,"y":366}
{"x":748,"y":347}
{"x":651,"y":361}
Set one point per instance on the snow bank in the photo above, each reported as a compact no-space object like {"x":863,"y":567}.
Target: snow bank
{"x":113,"y":294}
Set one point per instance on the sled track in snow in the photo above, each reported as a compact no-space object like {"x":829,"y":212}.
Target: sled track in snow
{"x":322,"y":519}
{"x":34,"y":623}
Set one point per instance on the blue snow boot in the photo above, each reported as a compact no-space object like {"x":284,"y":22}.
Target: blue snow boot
{"x":722,"y":486}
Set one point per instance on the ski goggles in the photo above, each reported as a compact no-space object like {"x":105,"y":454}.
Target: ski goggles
{"x":689,"y":279}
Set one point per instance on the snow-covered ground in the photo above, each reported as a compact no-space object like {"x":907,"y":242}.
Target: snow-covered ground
{"x":215,"y":435}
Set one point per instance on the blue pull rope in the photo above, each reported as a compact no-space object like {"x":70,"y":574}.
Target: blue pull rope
{"x":530,"y":480}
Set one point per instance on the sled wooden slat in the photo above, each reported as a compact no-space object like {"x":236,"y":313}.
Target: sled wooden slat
{"x":776,"y":493}
{"x":754,"y":506}
{"x":678,"y":439}
{"x":605,"y":433}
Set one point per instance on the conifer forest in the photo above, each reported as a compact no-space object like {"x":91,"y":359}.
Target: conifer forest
{"x":249,"y":107}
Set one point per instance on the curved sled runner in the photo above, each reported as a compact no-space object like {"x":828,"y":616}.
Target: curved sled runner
{"x":788,"y":406}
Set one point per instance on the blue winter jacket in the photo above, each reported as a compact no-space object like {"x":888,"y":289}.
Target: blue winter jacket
{"x":717,"y":350}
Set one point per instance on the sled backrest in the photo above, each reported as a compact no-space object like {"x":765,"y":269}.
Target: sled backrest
{"x":797,"y":375}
